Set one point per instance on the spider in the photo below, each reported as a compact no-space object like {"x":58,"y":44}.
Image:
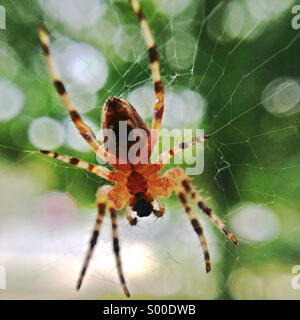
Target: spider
{"x":135,"y":186}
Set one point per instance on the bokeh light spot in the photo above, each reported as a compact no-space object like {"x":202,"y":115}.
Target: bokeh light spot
{"x":82,"y":66}
{"x":282,"y":96}
{"x":9,"y":62}
{"x":128,"y":43}
{"x":174,"y":111}
{"x":195,"y":106}
{"x":264,"y":10}
{"x":83,"y":101}
{"x":75,"y":14}
{"x":180,"y":50}
{"x":46,"y":133}
{"x":172,"y":8}
{"x":185,"y":108}
{"x":234,"y":19}
{"x":246,"y":285}
{"x":12,"y":100}
{"x":143,"y":100}
{"x":135,"y":258}
{"x":254,"y":223}
{"x":73,"y":137}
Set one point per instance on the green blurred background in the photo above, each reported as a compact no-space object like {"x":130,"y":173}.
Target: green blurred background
{"x":229,"y":67}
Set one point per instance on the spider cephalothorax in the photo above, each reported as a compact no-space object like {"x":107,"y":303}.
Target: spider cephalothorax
{"x":136,"y":184}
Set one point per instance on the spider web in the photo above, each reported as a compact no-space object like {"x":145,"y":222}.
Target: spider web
{"x":252,"y":159}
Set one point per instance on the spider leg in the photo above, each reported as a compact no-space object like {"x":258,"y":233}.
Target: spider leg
{"x":155,"y":71}
{"x":132,"y":221}
{"x":207,"y":210}
{"x":95,"y":169}
{"x":167,"y":155}
{"x":83,"y":129}
{"x":159,"y":213}
{"x":113,"y":215}
{"x":196,"y":225}
{"x":101,"y":204}
{"x":179,"y":179}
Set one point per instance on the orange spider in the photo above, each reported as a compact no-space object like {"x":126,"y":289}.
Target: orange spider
{"x":136,"y":186}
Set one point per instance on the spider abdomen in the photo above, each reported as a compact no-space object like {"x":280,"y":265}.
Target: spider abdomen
{"x":121,"y":117}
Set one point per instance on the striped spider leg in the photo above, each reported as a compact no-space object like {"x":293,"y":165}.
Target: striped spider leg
{"x":186,"y":183}
{"x":83,"y":129}
{"x":93,"y":168}
{"x":103,"y":203}
{"x":180,"y":183}
{"x":107,"y":198}
{"x":89,"y":136}
{"x":156,"y":77}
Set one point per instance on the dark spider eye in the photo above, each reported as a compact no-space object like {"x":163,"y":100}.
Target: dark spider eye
{"x":143,"y":208}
